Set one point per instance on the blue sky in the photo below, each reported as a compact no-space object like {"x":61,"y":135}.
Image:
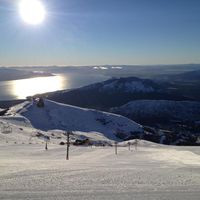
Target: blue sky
{"x":90,"y":32}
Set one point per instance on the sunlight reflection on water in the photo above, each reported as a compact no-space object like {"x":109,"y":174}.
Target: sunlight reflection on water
{"x":20,"y":89}
{"x":28,"y":87}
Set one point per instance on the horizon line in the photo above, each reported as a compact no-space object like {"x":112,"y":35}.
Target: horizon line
{"x":97,"y":65}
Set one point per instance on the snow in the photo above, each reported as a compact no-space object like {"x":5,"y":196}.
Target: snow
{"x":133,"y":86}
{"x":27,"y":171}
{"x":116,"y":67}
{"x":101,"y":67}
{"x":125,"y":85}
{"x":153,"y":172}
{"x":70,"y":118}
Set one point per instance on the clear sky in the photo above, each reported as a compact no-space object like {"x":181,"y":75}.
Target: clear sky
{"x":88,"y":32}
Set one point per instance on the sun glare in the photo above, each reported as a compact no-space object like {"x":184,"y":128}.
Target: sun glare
{"x":32,"y":11}
{"x":29,"y":87}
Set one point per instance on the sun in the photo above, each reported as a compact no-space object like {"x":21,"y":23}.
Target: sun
{"x":32,"y":11}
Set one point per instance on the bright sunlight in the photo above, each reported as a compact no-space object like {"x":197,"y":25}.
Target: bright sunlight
{"x":32,"y":11}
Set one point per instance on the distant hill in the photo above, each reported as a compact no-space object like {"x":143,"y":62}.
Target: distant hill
{"x":7,"y":74}
{"x":168,"y":122}
{"x":155,"y":111}
{"x":186,"y":84}
{"x":182,"y":77}
{"x":113,"y":93}
{"x":142,"y":71}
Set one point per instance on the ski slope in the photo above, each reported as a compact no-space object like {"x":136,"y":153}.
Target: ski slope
{"x":153,"y":172}
{"x":27,"y":171}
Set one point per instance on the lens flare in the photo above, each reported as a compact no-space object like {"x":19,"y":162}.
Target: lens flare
{"x":32,"y":11}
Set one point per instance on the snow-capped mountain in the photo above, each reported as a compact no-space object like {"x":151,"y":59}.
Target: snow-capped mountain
{"x":56,"y":116}
{"x":143,"y":110}
{"x":112,"y":93}
{"x":125,"y":85}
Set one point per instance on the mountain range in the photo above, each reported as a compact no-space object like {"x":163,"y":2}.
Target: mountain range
{"x":8,"y":73}
{"x":113,"y":93}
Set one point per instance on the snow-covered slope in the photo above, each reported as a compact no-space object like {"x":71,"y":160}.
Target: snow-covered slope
{"x":153,"y":172}
{"x":125,"y":85}
{"x":17,"y":130}
{"x":56,"y":116}
{"x":160,"y":109}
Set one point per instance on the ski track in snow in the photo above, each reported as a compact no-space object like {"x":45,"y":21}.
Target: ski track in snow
{"x":152,"y":172}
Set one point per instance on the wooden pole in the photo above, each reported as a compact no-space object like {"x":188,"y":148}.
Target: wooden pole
{"x":67,"y":155}
{"x":46,"y":148}
{"x":136,"y":144}
{"x":129,"y":146}
{"x":115,"y":148}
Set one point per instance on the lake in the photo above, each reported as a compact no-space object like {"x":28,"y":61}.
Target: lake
{"x":20,"y":89}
